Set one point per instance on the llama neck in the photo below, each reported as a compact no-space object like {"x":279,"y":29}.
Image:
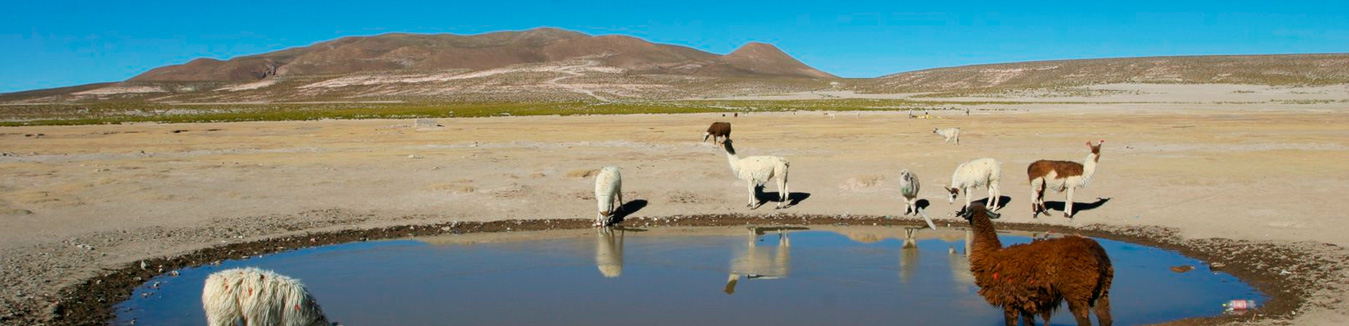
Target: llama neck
{"x":985,"y":238}
{"x":1089,"y":167}
{"x":734,"y":160}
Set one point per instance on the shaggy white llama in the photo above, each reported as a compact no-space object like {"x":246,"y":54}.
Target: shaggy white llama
{"x":1061,"y":176}
{"x":608,"y":194}
{"x":908,"y":188}
{"x":756,"y":262}
{"x":258,"y":298}
{"x":949,"y":133}
{"x":983,"y":172}
{"x":756,"y":171}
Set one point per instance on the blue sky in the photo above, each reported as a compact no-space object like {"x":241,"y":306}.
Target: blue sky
{"x":47,"y":44}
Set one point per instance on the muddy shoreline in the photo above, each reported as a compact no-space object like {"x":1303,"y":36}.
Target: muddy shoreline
{"x":1264,"y":265}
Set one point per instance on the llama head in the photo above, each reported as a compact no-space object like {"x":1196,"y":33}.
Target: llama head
{"x":1095,"y":149}
{"x":705,"y":135}
{"x":726,"y":144}
{"x":953,"y":193}
{"x":978,"y":210}
{"x":936,"y":131}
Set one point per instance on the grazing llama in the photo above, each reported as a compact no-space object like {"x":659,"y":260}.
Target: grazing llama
{"x":1034,"y":278}
{"x":983,"y":172}
{"x":951,"y":134}
{"x":757,"y":171}
{"x":258,"y":298}
{"x":1061,"y":176}
{"x":718,"y":130}
{"x":608,"y":194}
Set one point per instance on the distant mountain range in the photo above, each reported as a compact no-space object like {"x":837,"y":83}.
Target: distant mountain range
{"x":548,"y":64}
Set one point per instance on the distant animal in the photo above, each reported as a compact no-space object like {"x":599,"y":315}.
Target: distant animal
{"x":1034,"y":278}
{"x":258,"y":297}
{"x":1061,"y":176}
{"x":608,"y":195}
{"x":951,"y":134}
{"x":718,"y":130}
{"x":984,"y":172}
{"x":757,"y":171}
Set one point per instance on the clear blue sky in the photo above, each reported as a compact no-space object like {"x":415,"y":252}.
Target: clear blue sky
{"x":47,"y":44}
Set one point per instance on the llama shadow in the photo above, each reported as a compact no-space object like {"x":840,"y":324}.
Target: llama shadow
{"x":628,"y":208}
{"x":1002,"y":201}
{"x":792,"y":198}
{"x":1077,"y":207}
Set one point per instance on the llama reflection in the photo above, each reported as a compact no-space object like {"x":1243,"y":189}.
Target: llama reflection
{"x":757,"y":262}
{"x":908,"y":255}
{"x":958,"y":261}
{"x":609,"y":251}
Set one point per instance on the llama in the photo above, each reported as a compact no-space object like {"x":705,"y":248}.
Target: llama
{"x":609,"y":195}
{"x":609,"y":252}
{"x":949,"y":133}
{"x":908,"y":188}
{"x":1034,"y":278}
{"x":756,"y":171}
{"x":1061,"y":176}
{"x":258,"y":298}
{"x":983,"y":172}
{"x":718,"y":129}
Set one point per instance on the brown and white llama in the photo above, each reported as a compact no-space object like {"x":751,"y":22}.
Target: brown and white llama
{"x":1034,"y":278}
{"x":1061,"y":176}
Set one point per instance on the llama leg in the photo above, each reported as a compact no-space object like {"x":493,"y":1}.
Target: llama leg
{"x":1029,"y":318}
{"x":1045,"y":315}
{"x":1068,"y":206}
{"x":753,"y":196}
{"x":1080,"y":310}
{"x":1034,"y":199}
{"x":1009,"y":316}
{"x":1103,"y":309}
{"x":782,"y":192}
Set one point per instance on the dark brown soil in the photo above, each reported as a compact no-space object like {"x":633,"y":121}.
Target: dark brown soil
{"x":1263,"y":265}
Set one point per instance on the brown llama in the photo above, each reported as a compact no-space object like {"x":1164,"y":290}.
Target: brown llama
{"x":1061,"y":176}
{"x":1034,"y":278}
{"x":718,"y":129}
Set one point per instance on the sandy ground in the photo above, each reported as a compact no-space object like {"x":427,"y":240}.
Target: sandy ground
{"x":82,"y":199}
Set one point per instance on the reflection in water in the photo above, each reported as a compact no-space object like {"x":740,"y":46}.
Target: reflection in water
{"x":609,"y":251}
{"x":757,"y":262}
{"x":908,"y":255}
{"x":960,"y":263}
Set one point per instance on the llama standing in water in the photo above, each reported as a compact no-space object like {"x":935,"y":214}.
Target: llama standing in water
{"x":1061,"y":176}
{"x":1034,"y":278}
{"x":757,"y":171}
{"x":258,"y":298}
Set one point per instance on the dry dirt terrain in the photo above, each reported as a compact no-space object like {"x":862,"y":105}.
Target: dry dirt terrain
{"x":76,"y":201}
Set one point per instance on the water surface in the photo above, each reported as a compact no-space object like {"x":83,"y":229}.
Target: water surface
{"x":670,"y":276}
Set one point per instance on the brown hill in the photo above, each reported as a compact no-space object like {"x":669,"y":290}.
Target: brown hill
{"x":412,"y":53}
{"x":1292,"y":69}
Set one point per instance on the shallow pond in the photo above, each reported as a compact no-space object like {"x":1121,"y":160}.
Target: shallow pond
{"x":679,"y":276}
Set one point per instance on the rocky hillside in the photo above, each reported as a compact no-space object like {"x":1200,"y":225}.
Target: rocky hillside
{"x":1300,"y":69}
{"x":543,"y":64}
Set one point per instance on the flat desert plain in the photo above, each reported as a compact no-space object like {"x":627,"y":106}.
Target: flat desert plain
{"x":79,"y":200}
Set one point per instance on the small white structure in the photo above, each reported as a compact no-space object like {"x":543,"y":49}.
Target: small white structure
{"x":608,"y":195}
{"x":951,"y":134}
{"x":258,"y":297}
{"x":757,"y":171}
{"x":984,"y":172}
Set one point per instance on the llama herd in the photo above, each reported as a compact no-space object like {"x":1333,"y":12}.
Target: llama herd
{"x":1025,"y":280}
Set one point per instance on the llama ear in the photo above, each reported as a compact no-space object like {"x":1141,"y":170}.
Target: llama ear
{"x":993,"y":215}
